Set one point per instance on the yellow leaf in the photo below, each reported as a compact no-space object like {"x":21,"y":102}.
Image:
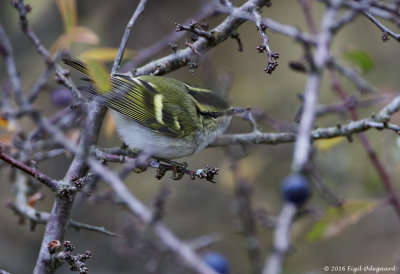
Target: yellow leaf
{"x":99,"y":75}
{"x":75,"y":35}
{"x":109,"y":125}
{"x":336,"y":219}
{"x":3,"y":122}
{"x":104,"y":54}
{"x":9,"y":125}
{"x":68,"y":12}
{"x":327,"y":144}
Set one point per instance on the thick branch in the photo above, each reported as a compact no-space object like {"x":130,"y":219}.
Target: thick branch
{"x":321,"y":56}
{"x":182,"y":57}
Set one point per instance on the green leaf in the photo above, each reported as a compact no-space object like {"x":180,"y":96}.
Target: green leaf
{"x":359,"y":58}
{"x":336,"y":219}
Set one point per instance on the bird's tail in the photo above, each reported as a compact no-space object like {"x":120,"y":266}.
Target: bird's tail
{"x":94,"y":71}
{"x":76,"y":64}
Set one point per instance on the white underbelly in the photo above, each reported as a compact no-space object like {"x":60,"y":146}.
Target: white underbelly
{"x":141,"y":138}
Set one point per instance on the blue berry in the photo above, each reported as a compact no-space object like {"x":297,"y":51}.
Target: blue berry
{"x":217,"y":261}
{"x":61,"y":96}
{"x":295,"y":189}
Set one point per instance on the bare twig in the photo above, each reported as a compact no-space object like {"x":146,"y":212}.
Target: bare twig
{"x":145,"y":215}
{"x":379,"y":166}
{"x":121,"y":49}
{"x":270,"y":24}
{"x":306,"y":7}
{"x":7,"y":52}
{"x":22,"y":10}
{"x":272,"y":56}
{"x":273,"y":264}
{"x":166,"y":41}
{"x":352,"y":102}
{"x":385,"y":114}
{"x":385,"y":30}
{"x":192,"y":28}
{"x":246,"y":217}
{"x":41,"y":217}
{"x":288,"y":137}
{"x":46,"y":180}
{"x":362,"y":85}
{"x":204,"y":241}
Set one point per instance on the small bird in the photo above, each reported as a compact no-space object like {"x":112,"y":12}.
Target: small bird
{"x":161,"y":116}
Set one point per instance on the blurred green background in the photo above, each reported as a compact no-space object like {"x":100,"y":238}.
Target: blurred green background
{"x":198,"y":207}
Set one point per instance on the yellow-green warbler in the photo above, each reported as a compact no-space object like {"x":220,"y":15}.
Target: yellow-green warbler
{"x":162,"y":116}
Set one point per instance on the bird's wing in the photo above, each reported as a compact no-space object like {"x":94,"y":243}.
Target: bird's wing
{"x":137,"y":99}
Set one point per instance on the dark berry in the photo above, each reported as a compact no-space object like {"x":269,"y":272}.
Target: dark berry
{"x":295,"y":189}
{"x":61,"y":97}
{"x":217,"y":261}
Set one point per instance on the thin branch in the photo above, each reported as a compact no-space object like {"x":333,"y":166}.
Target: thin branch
{"x":42,"y":156}
{"x":44,"y":179}
{"x":352,"y":102}
{"x":99,"y":229}
{"x":23,"y":10}
{"x":385,"y":114}
{"x":183,"y":250}
{"x":41,"y":217}
{"x":289,"y":137}
{"x":272,"y":25}
{"x":273,"y":264}
{"x":7,"y":52}
{"x":368,"y":6}
{"x":164,"y":42}
{"x":382,"y":27}
{"x":306,"y":7}
{"x":38,"y":85}
{"x":362,"y":85}
{"x":50,"y":62}
{"x":204,"y":241}
{"x":272,"y":56}
{"x":344,"y":20}
{"x":379,"y":166}
{"x":192,"y":28}
{"x":125,"y":38}
{"x":246,"y":216}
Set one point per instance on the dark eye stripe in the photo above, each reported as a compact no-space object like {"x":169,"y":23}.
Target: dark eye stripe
{"x":208,"y":98}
